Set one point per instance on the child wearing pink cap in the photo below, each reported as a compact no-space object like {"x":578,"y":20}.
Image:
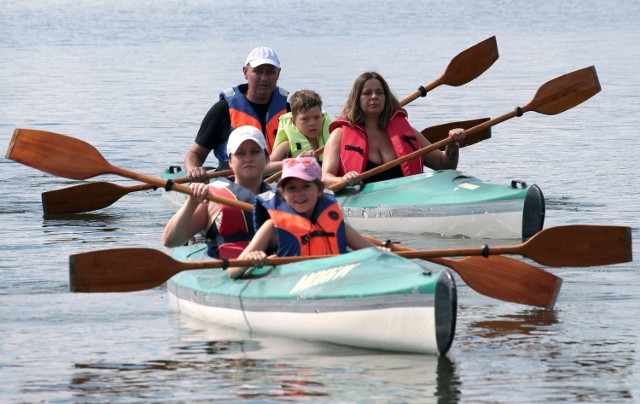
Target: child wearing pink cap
{"x":301,"y":219}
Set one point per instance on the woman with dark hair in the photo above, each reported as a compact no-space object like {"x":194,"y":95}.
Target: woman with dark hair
{"x":373,"y":130}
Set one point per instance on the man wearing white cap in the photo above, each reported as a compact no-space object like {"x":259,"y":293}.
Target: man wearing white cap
{"x":258,"y":103}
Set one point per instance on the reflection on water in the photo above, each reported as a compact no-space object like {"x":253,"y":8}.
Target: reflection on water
{"x":530,"y":323}
{"x":264,"y":368}
{"x":567,"y":203}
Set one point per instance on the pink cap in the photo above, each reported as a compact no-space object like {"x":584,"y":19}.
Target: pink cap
{"x":304,"y":168}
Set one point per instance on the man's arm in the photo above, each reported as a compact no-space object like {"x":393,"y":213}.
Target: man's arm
{"x":193,"y":162}
{"x":213,"y":132}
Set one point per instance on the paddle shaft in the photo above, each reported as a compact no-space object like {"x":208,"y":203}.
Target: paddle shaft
{"x":181,"y":180}
{"x":169,"y":185}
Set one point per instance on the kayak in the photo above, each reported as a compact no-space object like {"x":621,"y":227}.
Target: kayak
{"x":446,"y":202}
{"x":366,"y":299}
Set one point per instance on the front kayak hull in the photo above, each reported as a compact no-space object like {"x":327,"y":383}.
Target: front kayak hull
{"x":366,"y":299}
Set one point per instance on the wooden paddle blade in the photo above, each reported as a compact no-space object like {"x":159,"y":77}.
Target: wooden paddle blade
{"x":437,"y":133}
{"x":507,"y":279}
{"x":85,"y":197}
{"x":498,"y":277}
{"x":580,"y":245}
{"x":56,"y":154}
{"x":121,"y":270}
{"x":471,"y":63}
{"x":565,"y":92}
{"x":463,"y":68}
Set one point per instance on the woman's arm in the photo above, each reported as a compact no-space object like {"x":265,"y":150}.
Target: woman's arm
{"x":331,"y":162}
{"x":443,"y":160}
{"x":192,"y":217}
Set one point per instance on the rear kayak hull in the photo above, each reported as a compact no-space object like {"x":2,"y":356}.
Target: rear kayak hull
{"x":366,"y":299}
{"x":445,"y":202}
{"x":448,"y":203}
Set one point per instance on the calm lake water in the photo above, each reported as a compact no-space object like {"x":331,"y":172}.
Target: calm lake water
{"x":134,"y":78}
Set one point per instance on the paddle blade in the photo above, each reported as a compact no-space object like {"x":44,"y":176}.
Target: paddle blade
{"x":580,"y":246}
{"x":565,"y":92}
{"x":498,"y":277}
{"x":471,"y":63}
{"x":84,"y":197}
{"x":56,"y":154}
{"x":437,"y":133}
{"x":120,"y":270}
{"x":507,"y":279}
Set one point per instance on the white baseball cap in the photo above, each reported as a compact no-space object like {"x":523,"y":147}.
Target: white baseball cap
{"x":262,"y":55}
{"x":242,"y":133}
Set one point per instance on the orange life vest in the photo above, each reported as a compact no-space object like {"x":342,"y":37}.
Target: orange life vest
{"x":354,"y":146}
{"x":324,"y":234}
{"x":242,"y":113}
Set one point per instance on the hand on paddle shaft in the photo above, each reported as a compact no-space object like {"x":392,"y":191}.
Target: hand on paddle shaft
{"x":553,"y":97}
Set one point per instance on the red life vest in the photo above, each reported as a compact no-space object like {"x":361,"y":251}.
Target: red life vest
{"x":232,"y":229}
{"x":242,"y":113}
{"x":324,"y":234}
{"x":354,"y":145}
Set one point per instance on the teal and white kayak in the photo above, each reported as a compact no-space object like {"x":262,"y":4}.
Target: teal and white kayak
{"x":367,"y":299}
{"x":447,"y":202}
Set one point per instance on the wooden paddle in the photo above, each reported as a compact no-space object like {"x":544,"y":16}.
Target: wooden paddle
{"x":133,"y":269}
{"x":463,"y":68}
{"x":498,"y":277}
{"x":553,"y":97}
{"x":72,"y":158}
{"x":98,"y":195}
